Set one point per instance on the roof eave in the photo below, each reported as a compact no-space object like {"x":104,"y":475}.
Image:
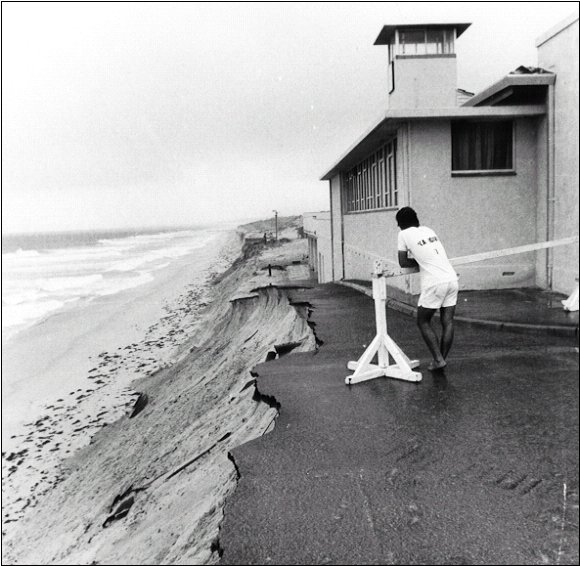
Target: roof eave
{"x":394,"y":118}
{"x":387,"y":31}
{"x":508,"y":81}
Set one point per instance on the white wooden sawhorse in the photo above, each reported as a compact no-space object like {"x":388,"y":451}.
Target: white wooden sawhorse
{"x":382,"y":344}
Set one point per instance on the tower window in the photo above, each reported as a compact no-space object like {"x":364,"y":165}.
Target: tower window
{"x":426,"y":42}
{"x":435,"y":42}
{"x":412,"y":42}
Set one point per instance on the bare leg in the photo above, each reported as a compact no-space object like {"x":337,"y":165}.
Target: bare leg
{"x":448,"y":330}
{"x":424,"y":317}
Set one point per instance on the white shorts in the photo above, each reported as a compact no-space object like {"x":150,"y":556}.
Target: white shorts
{"x":441,"y":295}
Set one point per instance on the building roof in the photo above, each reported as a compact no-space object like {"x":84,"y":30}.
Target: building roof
{"x":515,"y":88}
{"x":391,"y":120}
{"x":386,"y":35}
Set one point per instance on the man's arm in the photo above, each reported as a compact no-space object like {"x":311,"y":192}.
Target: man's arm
{"x":406,"y":261}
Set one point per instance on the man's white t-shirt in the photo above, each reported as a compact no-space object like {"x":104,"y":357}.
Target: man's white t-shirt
{"x":429,"y":253}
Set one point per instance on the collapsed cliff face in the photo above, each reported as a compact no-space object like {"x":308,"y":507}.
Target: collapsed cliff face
{"x":150,"y":488}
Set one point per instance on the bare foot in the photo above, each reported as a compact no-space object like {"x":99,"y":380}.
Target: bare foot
{"x":435,"y":365}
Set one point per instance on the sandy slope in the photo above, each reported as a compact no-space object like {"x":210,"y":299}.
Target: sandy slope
{"x":149,"y":489}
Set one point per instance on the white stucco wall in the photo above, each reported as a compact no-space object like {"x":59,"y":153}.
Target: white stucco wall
{"x":424,"y":82}
{"x":375,"y":232}
{"x":558,"y":52}
{"x":470,"y":214}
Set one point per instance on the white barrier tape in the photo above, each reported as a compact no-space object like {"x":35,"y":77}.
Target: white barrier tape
{"x":396,"y":271}
{"x":512,"y":251}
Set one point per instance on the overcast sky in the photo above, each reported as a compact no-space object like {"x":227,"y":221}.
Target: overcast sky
{"x":156,"y":114}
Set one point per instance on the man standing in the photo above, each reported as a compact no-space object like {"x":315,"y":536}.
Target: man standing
{"x":439,"y":284}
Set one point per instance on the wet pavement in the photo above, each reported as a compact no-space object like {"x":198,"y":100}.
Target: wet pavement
{"x":530,"y":310}
{"x":477,"y":465}
{"x":527,"y":306}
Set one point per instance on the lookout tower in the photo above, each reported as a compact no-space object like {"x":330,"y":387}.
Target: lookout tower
{"x":422,"y":64}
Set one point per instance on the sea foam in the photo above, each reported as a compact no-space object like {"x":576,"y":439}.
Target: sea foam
{"x":38,"y":282}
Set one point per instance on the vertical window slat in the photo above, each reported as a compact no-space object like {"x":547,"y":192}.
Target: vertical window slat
{"x":372,"y":184}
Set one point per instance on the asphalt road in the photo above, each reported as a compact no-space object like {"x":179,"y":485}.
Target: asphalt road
{"x":478,"y":465}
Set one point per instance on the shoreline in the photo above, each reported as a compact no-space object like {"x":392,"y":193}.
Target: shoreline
{"x":88,"y":383}
{"x":188,"y":415}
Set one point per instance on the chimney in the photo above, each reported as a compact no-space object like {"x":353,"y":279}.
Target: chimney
{"x":422,"y":70}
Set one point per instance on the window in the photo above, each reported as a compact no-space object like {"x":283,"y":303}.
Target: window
{"x":426,"y":42}
{"x":391,"y":195}
{"x":434,"y":42}
{"x":482,"y":146}
{"x":412,"y":42}
{"x":372,"y":184}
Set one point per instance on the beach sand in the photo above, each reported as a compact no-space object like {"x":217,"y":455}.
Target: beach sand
{"x":150,"y":486}
{"x":70,"y":375}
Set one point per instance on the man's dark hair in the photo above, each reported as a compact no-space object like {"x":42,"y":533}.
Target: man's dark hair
{"x":407,"y":217}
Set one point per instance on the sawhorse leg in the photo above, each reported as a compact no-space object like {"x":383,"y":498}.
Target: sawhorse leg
{"x":381,"y":346}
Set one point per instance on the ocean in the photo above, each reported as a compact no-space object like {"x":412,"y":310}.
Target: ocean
{"x":45,"y":273}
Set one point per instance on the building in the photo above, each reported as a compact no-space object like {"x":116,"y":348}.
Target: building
{"x":317,"y":229}
{"x":489,"y":171}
